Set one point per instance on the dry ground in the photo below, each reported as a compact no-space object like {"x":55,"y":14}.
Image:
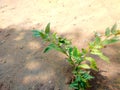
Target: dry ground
{"x":24,"y":66}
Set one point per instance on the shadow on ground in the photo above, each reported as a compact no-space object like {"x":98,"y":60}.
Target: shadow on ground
{"x":24,"y":66}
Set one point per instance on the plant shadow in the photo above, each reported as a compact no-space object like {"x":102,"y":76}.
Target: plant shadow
{"x":24,"y":66}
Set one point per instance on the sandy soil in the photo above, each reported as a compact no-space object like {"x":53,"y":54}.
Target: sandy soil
{"x":24,"y":66}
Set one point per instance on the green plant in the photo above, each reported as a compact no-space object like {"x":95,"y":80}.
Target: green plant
{"x":81,"y":61}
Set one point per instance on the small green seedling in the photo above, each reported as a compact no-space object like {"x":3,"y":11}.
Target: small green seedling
{"x":77,"y":58}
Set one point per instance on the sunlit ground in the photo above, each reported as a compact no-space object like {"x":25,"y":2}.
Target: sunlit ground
{"x":21,"y":55}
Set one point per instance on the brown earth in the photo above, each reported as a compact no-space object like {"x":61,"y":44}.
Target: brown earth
{"x":24,"y":66}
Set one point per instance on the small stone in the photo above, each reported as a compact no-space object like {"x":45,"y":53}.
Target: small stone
{"x":33,"y":87}
{"x":50,"y":82}
{"x":2,"y":41}
{"x":21,"y":47}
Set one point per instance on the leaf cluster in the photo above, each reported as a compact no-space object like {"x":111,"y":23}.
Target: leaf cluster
{"x":76,"y":57}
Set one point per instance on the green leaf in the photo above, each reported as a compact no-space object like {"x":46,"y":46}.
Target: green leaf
{"x":47,"y":29}
{"x":98,"y":46}
{"x":93,"y":64}
{"x":95,"y":51}
{"x":78,"y":60}
{"x":105,"y":58}
{"x":52,"y":46}
{"x":67,"y":42}
{"x":84,"y":66}
{"x":41,"y":34}
{"x":54,"y":35}
{"x":47,"y":49}
{"x":100,"y":54}
{"x":62,"y":40}
{"x":107,"y":32}
{"x":97,"y":40}
{"x":113,"y":29}
{"x":91,"y":45}
{"x":78,"y":78}
{"x":110,"y":41}
{"x":76,"y":52}
{"x":87,"y":76}
{"x":74,"y":85}
{"x":70,"y":50}
{"x":36,"y":33}
{"x":84,"y":51}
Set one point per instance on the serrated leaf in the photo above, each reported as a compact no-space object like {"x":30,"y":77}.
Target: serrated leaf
{"x":84,"y":66}
{"x":113,"y":29}
{"x":107,"y":32}
{"x":47,"y":29}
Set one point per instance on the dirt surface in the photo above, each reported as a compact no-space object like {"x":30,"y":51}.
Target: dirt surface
{"x":24,"y":66}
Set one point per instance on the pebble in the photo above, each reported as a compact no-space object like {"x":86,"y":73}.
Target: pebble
{"x":3,"y":41}
{"x":50,"y":82}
